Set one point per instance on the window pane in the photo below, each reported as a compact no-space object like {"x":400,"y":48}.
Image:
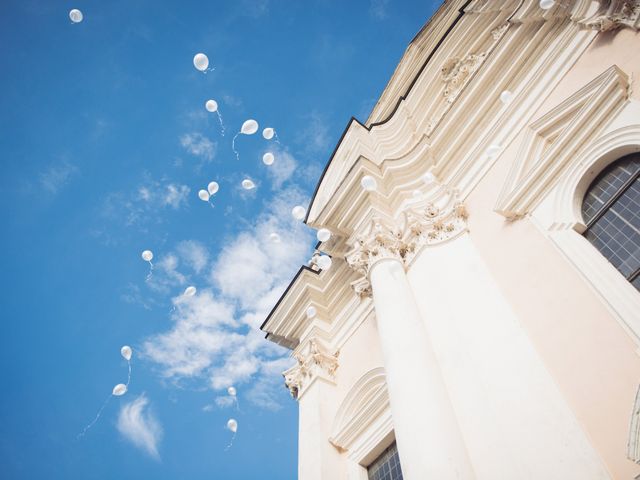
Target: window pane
{"x":386,"y":466}
{"x":607,"y":184}
{"x":616,"y":231}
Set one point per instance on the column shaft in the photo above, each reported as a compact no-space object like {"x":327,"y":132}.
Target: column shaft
{"x":429,"y":441}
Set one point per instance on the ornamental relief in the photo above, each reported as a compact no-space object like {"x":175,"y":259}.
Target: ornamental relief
{"x":312,"y":361}
{"x":456,"y":72}
{"x":421,"y":227}
{"x":615,"y":14}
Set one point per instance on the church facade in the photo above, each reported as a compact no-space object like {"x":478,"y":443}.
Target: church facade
{"x":480,"y":318}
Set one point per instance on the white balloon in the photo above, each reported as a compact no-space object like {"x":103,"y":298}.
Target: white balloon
{"x":231,"y":391}
{"x":232,"y":425}
{"x":493,"y":150}
{"x":189,"y":291}
{"x":200,"y":61}
{"x":203,"y":195}
{"x":76,"y":15}
{"x":126,"y":352}
{"x":298,"y":212}
{"x":274,"y":237}
{"x":119,"y":390}
{"x":248,"y":184}
{"x":323,"y":234}
{"x":147,"y":255}
{"x":267,"y":133}
{"x":213,"y":188}
{"x":546,"y":4}
{"x":324,"y":262}
{"x":428,"y":178}
{"x":311,"y":312}
{"x":368,"y":183}
{"x":268,"y":158}
{"x":211,"y":106}
{"x":506,"y":96}
{"x":249,"y":127}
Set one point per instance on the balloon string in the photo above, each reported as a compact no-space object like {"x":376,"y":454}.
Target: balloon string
{"x":82,"y":434}
{"x":211,"y":204}
{"x":129,"y":376}
{"x":276,"y":137}
{"x":150,"y":271}
{"x":233,"y":146}
{"x":221,"y":123}
{"x":231,"y":442}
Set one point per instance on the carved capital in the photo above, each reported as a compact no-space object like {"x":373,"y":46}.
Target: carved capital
{"x":313,"y":360}
{"x":428,"y":225}
{"x":614,"y":14}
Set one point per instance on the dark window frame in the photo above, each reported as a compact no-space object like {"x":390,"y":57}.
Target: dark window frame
{"x":604,"y":246}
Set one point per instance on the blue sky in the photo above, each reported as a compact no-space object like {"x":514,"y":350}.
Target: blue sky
{"x":104,"y":143}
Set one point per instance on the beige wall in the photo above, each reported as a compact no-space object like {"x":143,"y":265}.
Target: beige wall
{"x":593,"y":360}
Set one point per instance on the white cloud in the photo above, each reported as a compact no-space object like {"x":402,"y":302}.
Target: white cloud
{"x":194,"y":253}
{"x":198,"y":145}
{"x":55,"y":177}
{"x":225,"y":401}
{"x":378,"y":9}
{"x":143,"y":204}
{"x":282,"y":169}
{"x":315,"y":135}
{"x":139,"y":426}
{"x":175,"y":195}
{"x":215,"y":339}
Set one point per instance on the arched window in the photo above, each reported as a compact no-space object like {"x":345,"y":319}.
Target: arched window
{"x":611,"y":211}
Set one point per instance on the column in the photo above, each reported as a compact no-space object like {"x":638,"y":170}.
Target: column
{"x":311,"y":382}
{"x":429,"y":440}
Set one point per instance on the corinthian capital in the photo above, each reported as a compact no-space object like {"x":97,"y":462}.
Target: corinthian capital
{"x":614,"y":14}
{"x":313,"y":360}
{"x":419,"y":227}
{"x":378,"y":243}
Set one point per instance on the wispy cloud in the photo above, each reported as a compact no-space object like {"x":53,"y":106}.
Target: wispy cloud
{"x":143,"y":204}
{"x":138,"y":425}
{"x":378,"y":9}
{"x":215,"y":340}
{"x":194,"y":253}
{"x":315,"y":136}
{"x":199,"y":146}
{"x":56,"y":176}
{"x":282,"y":169}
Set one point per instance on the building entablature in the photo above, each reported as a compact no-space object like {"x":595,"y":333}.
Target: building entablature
{"x":491,"y":50}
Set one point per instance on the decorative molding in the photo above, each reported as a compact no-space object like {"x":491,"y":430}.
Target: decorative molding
{"x":420,"y":227}
{"x":633,"y":444}
{"x":614,"y":14}
{"x":554,"y":141}
{"x":313,"y":361}
{"x":456,"y":72}
{"x":364,"y":416}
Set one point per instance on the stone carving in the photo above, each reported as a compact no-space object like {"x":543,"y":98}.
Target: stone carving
{"x":312,"y":360}
{"x":421,"y":227}
{"x":614,"y":14}
{"x":456,"y":72}
{"x":498,"y":32}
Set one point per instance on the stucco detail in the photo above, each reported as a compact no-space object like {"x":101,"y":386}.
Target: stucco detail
{"x":614,"y":14}
{"x":420,"y":227}
{"x":313,"y":360}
